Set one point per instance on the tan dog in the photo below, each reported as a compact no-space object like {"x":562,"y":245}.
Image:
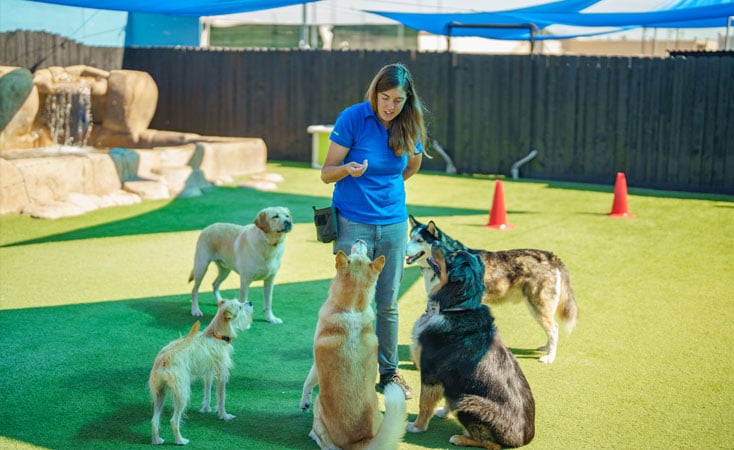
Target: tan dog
{"x":253,"y":251}
{"x":346,"y":412}
{"x":207,"y":356}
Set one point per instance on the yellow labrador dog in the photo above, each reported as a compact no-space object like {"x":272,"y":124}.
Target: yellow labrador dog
{"x":346,"y":412}
{"x":253,"y":251}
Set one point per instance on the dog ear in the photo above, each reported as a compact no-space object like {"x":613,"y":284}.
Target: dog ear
{"x":261,"y":221}
{"x":433,"y":229}
{"x":468,"y":271}
{"x":413,"y":222}
{"x":378,"y":263}
{"x":341,"y":259}
{"x":457,"y":273}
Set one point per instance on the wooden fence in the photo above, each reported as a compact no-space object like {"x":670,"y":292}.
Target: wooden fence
{"x":668,"y":123}
{"x":38,"y":50}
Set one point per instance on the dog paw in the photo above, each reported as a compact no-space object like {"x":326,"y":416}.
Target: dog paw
{"x":312,"y":434}
{"x":413,"y":429}
{"x":547,"y":359}
{"x":226,"y":416}
{"x":205,"y":409}
{"x":157,"y":441}
{"x":305,"y":404}
{"x":196,"y":312}
{"x":182,"y":441}
{"x":272,"y":319}
{"x":441,"y":413}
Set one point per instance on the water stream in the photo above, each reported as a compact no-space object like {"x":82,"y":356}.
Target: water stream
{"x":68,"y":114}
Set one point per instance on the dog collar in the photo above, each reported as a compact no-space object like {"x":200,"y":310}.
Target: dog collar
{"x":222,"y":337}
{"x":454,"y":309}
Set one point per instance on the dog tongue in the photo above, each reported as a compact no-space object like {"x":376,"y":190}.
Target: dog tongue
{"x":411,"y":259}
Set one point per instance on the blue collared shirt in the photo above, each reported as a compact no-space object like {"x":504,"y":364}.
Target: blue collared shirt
{"x":378,"y":196}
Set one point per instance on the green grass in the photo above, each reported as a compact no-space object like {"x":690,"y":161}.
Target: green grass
{"x":86,"y":303}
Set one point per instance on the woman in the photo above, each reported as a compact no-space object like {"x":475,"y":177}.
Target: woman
{"x":375,"y":146}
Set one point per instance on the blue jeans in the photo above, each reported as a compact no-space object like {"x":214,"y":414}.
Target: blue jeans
{"x":389,"y":240}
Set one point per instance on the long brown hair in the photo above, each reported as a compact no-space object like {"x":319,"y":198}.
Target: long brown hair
{"x":408,"y":128}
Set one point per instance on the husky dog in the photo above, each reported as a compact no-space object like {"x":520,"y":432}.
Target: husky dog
{"x":464,"y":361}
{"x":206,"y":355}
{"x":536,"y":276}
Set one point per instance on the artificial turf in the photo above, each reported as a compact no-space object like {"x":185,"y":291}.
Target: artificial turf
{"x":86,"y":303}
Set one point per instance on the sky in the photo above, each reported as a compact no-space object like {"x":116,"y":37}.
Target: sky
{"x":348,"y":12}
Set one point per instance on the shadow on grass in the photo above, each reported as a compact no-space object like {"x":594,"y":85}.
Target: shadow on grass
{"x":262,"y":416}
{"x":519,"y":353}
{"x":223,"y":204}
{"x":592,"y":185}
{"x":116,"y":426}
{"x":632,"y":190}
{"x":88,"y":365}
{"x":438,"y":433}
{"x":526,"y":353}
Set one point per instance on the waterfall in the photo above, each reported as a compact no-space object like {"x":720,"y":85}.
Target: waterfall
{"x":69,"y":114}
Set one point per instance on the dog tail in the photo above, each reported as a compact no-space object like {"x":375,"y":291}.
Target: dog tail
{"x":180,"y":344}
{"x":567,"y":311}
{"x":192,"y":332}
{"x":394,"y":421}
{"x":160,"y":374}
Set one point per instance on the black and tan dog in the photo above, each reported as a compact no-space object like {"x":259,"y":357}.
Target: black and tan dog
{"x":536,"y":276}
{"x":464,"y":360}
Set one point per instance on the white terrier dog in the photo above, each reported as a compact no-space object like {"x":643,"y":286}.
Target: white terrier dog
{"x":207,"y":356}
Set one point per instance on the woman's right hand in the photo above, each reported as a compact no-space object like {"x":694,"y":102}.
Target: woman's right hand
{"x":356,"y":169}
{"x":333,"y":170}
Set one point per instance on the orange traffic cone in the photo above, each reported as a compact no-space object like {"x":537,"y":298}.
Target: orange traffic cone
{"x":619,"y":207}
{"x":498,"y":213}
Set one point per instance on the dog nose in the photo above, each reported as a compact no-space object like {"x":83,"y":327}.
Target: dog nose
{"x":359,"y":247}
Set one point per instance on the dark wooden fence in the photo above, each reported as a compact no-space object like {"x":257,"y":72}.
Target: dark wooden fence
{"x":668,"y":123}
{"x":38,"y":50}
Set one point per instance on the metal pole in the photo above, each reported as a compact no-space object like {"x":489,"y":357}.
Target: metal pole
{"x":302,"y":43}
{"x":642,"y":40}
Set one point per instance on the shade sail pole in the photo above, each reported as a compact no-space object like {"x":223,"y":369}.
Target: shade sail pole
{"x":303,"y":43}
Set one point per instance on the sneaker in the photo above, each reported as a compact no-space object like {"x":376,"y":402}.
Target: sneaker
{"x":387,"y":378}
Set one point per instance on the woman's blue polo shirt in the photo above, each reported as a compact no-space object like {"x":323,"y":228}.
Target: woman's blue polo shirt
{"x":378,"y":196}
